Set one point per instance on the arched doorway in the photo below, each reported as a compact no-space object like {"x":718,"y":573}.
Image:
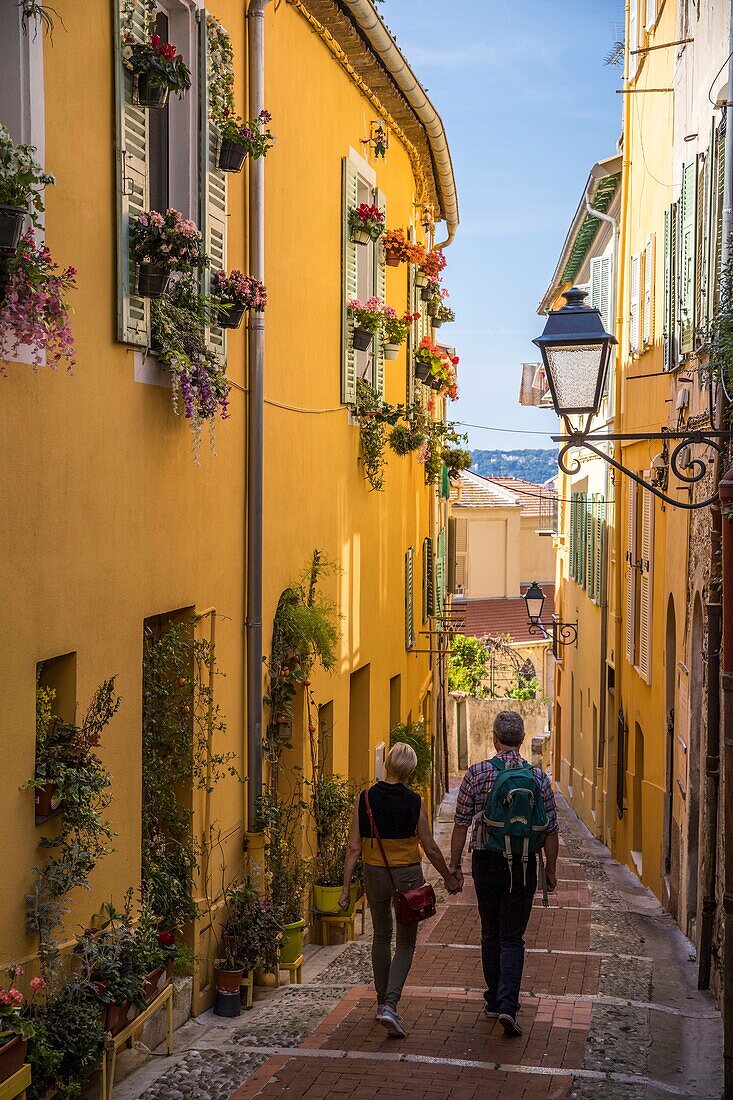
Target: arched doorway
{"x":693,"y":769}
{"x":671,"y":843}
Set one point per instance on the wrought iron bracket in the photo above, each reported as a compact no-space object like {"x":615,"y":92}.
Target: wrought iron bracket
{"x":690,"y":476}
{"x":562,"y":633}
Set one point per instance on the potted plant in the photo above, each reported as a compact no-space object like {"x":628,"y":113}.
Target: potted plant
{"x":286,"y":869}
{"x":115,"y":967}
{"x":160,"y":244}
{"x":429,"y":288}
{"x":456,"y":459}
{"x":332,"y":806}
{"x":157,"y":70}
{"x":396,"y":330}
{"x":435,"y":300}
{"x":404,"y":439}
{"x":444,"y":315}
{"x":34,"y":313}
{"x":398,"y":249}
{"x":15,"y":1026}
{"x":366,"y":223}
{"x":46,"y":792}
{"x":251,"y":931}
{"x":21,"y":190}
{"x":157,"y":953}
{"x":241,"y":139}
{"x":368,"y":319}
{"x":427,"y":359}
{"x":432,"y":264}
{"x":68,"y":1040}
{"x":236,"y":293}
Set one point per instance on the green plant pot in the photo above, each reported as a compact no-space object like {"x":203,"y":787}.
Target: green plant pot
{"x":326,"y":899}
{"x":291,"y":947}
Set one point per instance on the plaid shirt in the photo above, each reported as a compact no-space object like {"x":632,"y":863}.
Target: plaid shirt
{"x":480,"y":778}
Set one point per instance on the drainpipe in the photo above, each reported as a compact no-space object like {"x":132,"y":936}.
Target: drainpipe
{"x":726,"y":505}
{"x":255,"y":421}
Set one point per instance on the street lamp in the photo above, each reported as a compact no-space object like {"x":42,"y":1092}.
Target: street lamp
{"x":576,"y":351}
{"x":562,"y":633}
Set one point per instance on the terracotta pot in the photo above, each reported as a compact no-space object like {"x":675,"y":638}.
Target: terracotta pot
{"x":228,"y":981}
{"x":362,"y":339}
{"x":117,"y":1017}
{"x":230,"y":317}
{"x":392,"y":259}
{"x":45,"y":800}
{"x":151,"y":280}
{"x":155,"y":983}
{"x":148,"y":93}
{"x":231,"y":156}
{"x":11,"y":227}
{"x":12,"y":1056}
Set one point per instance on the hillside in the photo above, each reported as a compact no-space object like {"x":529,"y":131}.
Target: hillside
{"x":535,"y":466}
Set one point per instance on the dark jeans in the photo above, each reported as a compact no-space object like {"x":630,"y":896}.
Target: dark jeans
{"x":504,"y":904}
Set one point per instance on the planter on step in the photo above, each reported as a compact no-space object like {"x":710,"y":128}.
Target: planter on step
{"x":227,"y":981}
{"x":11,"y":227}
{"x":326,"y":899}
{"x":151,"y":280}
{"x":291,"y":946}
{"x":231,"y":156}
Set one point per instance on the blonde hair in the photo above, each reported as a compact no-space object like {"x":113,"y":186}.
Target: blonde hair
{"x":401,"y":761}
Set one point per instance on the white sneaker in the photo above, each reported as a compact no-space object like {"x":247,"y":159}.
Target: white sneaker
{"x":389,"y":1020}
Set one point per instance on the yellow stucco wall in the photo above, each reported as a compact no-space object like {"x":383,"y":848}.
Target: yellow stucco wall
{"x":107,"y":518}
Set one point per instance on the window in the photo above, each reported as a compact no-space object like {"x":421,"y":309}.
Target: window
{"x":395,"y":701}
{"x":458,"y":555}
{"x":359,"y":724}
{"x":21,"y":78}
{"x":325,"y":730}
{"x":364,"y":276}
{"x":639,"y":579}
{"x":166,"y":157}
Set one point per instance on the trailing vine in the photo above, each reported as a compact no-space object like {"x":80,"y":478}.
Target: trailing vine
{"x":221,"y":73}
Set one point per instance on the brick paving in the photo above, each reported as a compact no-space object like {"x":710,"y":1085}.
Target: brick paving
{"x":557,"y":929}
{"x":555,"y":974}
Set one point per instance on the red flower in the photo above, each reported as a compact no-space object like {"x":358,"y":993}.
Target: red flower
{"x":455,"y":360}
{"x":168,"y":52}
{"x":166,"y":938}
{"x":155,"y":41}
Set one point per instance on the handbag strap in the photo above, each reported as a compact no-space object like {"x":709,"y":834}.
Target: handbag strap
{"x":375,"y":830}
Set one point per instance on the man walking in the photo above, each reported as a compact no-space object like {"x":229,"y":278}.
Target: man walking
{"x":512,"y":808}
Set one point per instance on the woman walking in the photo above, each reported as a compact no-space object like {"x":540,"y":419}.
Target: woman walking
{"x":402,"y":823}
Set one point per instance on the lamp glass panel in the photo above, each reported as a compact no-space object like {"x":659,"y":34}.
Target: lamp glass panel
{"x":534,"y":606}
{"x":575,"y":371}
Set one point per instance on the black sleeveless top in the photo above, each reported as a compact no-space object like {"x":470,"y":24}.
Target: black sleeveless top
{"x":396,"y":811}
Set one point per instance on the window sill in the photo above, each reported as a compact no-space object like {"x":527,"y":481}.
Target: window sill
{"x":148,"y":371}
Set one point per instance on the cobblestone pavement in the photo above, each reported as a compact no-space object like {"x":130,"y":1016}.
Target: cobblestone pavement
{"x":609,"y":1009}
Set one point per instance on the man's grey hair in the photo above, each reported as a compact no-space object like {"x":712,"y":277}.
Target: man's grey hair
{"x":509,"y":728}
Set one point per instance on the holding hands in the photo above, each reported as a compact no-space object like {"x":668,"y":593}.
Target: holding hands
{"x":454,"y":880}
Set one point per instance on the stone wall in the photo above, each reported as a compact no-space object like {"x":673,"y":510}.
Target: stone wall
{"x":476,"y":720}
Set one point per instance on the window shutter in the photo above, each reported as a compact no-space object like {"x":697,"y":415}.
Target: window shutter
{"x":573,"y":534}
{"x":349,"y":199}
{"x":133,"y":313}
{"x":461,"y":551}
{"x":634,"y":304}
{"x":704,"y":175}
{"x":688,"y":203}
{"x":633,"y":37}
{"x":669,"y":287}
{"x":212,"y":188}
{"x":719,"y":203}
{"x":380,"y":290}
{"x":649,"y":291}
{"x":410,"y":598}
{"x":600,"y":538}
{"x":589,"y":564}
{"x":650,"y":15}
{"x":440,"y":573}
{"x":645,"y":586}
{"x":428,"y":580}
{"x":600,"y":283}
{"x":630,"y":604}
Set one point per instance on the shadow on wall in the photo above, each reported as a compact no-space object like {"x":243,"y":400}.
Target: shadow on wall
{"x":470,"y":729}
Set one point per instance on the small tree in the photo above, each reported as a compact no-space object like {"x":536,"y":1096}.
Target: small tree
{"x":467,"y":666}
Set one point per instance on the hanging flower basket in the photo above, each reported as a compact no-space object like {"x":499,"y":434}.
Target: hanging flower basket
{"x":150,"y":92}
{"x":362,"y":339}
{"x":366,"y":223}
{"x":231,"y":156}
{"x":433,"y":307}
{"x":11,"y":227}
{"x":151,"y":280}
{"x":422,"y":371}
{"x":421,"y":280}
{"x":231,"y":316}
{"x":436,"y":321}
{"x":392,"y":259}
{"x":426,"y":291}
{"x":391,"y":351}
{"x":236,"y":293}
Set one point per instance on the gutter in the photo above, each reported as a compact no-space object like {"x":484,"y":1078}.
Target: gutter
{"x":255,"y":423}
{"x":384,"y":46}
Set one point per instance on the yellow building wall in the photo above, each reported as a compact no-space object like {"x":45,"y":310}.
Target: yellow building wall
{"x":536,"y":553}
{"x":107,"y":518}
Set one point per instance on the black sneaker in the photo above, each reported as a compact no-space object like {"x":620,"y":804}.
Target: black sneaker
{"x":510,"y":1025}
{"x":491,"y":1013}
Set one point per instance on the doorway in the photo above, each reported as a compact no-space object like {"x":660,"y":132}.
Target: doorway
{"x":693,"y":768}
{"x":670,"y":668}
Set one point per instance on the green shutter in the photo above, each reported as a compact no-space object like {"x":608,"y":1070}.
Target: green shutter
{"x":410,"y":598}
{"x":212,"y":188}
{"x":133,"y":313}
{"x":600,"y":539}
{"x":349,"y":199}
{"x":590,"y":556}
{"x":719,"y":203}
{"x":380,"y":290}
{"x":428,"y":580}
{"x":445,"y":486}
{"x":669,"y":288}
{"x":688,"y":203}
{"x":440,"y":572}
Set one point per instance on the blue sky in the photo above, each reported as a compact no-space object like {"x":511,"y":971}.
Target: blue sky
{"x":529,"y":106}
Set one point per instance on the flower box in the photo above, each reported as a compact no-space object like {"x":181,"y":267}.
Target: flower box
{"x":117,"y":1017}
{"x":151,"y":280}
{"x":11,"y":227}
{"x":231,"y":156}
{"x":155,"y":982}
{"x":12,"y":1056}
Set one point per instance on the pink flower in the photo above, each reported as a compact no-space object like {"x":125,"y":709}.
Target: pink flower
{"x":38,"y":985}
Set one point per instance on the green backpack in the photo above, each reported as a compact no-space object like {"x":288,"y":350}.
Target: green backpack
{"x":514,"y":818}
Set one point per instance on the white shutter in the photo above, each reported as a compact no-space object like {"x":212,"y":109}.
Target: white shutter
{"x":630,"y":572}
{"x":212,"y":189}
{"x":650,"y":15}
{"x":646,"y":585}
{"x":634,"y":304}
{"x":380,"y":290}
{"x":133,"y":313}
{"x":461,"y":543}
{"x":600,"y":288}
{"x":633,"y":37}
{"x":349,"y":200}
{"x":688,"y":218}
{"x":648,"y":327}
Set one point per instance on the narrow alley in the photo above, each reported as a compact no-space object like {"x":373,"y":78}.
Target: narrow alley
{"x":610,"y":1009}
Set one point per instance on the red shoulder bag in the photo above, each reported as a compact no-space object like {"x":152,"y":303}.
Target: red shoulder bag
{"x":410,"y":906}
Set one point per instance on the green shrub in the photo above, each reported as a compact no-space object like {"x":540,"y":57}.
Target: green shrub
{"x":413,"y":733}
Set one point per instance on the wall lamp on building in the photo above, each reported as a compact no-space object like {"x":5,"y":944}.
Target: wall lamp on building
{"x":378,"y":138}
{"x":562,"y":633}
{"x":576,"y":351}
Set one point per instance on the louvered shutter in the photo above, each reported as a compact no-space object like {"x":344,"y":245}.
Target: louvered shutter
{"x":650,"y":16}
{"x":703,"y":226}
{"x":589,"y":564}
{"x":648,"y":326}
{"x":669,"y":288}
{"x":719,"y":203}
{"x":646,"y":566}
{"x":630,"y":571}
{"x":600,"y":539}
{"x":633,"y":37}
{"x":600,"y":284}
{"x":428,"y":580}
{"x":440,"y":573}
{"x":349,"y":199}
{"x":133,"y":313}
{"x":634,"y":304}
{"x":688,"y":206}
{"x":410,"y":598}
{"x":380,"y":290}
{"x":573,"y":534}
{"x":212,"y":188}
{"x":461,"y":551}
